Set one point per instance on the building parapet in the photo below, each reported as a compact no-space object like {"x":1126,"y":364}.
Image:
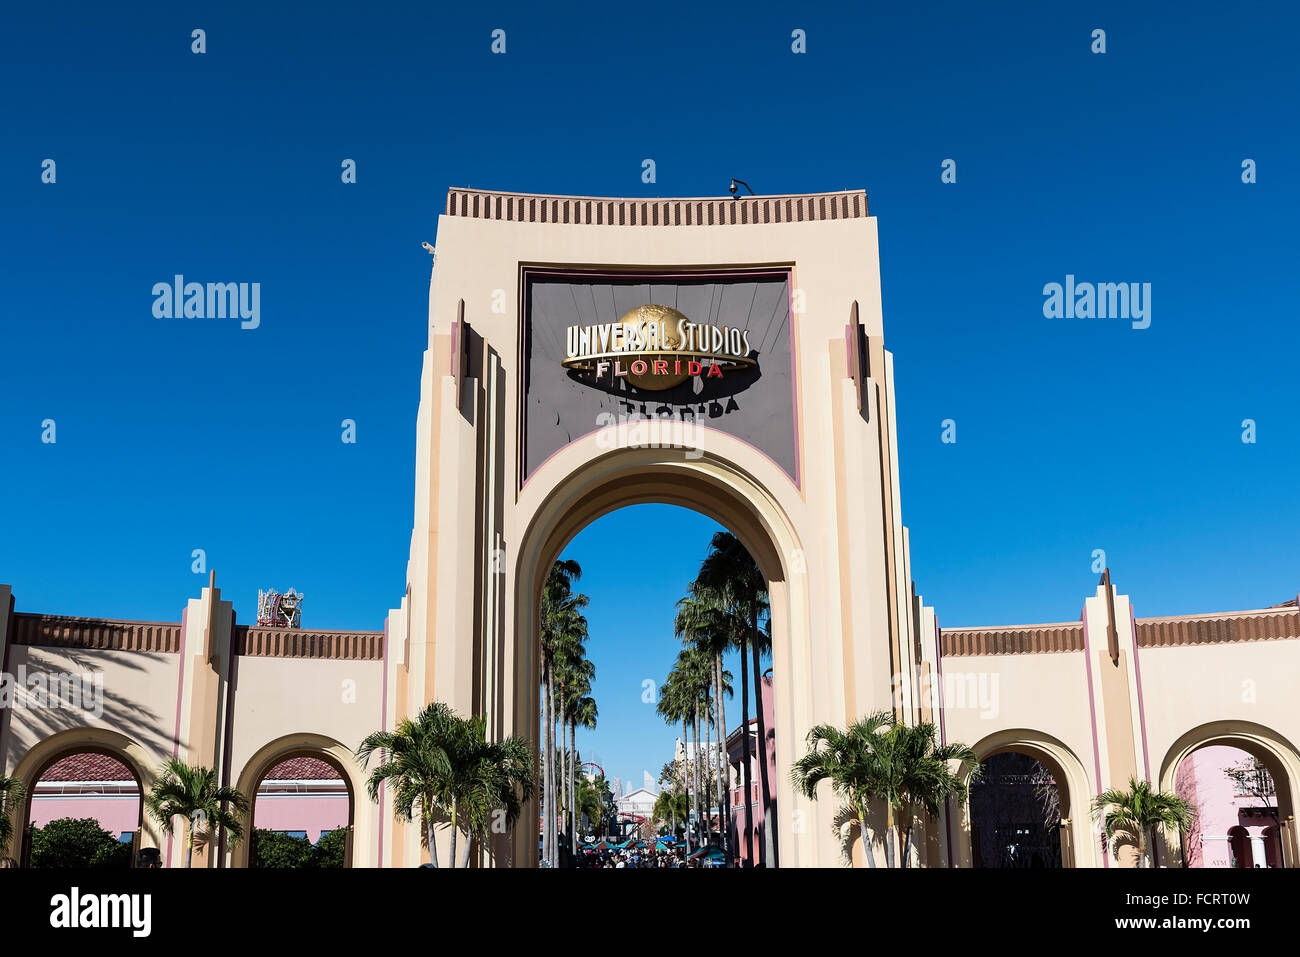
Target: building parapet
{"x":1262,"y":625}
{"x":1012,"y":639}
{"x":704,"y":211}
{"x":294,"y":643}
{"x":101,"y":634}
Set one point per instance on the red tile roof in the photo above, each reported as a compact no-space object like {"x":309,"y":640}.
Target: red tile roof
{"x":101,"y":767}
{"x":87,"y":767}
{"x":303,"y":769}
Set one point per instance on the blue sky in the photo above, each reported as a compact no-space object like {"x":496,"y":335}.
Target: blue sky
{"x":1124,"y":166}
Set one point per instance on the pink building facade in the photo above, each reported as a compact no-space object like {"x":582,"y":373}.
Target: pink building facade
{"x":1235,"y":826}
{"x":88,"y":785}
{"x":302,"y":796}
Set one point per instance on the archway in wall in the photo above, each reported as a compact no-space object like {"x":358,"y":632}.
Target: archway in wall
{"x":1015,"y":810}
{"x":302,"y":791}
{"x":647,"y":476}
{"x":85,"y":810}
{"x":1046,"y":823}
{"x":632,"y":669}
{"x":1241,"y":777}
{"x":87,"y":751}
{"x":301,"y":814}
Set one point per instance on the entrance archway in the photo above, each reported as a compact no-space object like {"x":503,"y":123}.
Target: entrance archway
{"x":1077,"y":847}
{"x":1277,"y":755}
{"x":633,"y":664}
{"x":705,"y":483}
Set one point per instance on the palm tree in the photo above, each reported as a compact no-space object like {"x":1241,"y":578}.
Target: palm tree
{"x":583,"y":713}
{"x":443,"y":765}
{"x":877,"y":758}
{"x":1137,"y":811}
{"x":687,"y":692}
{"x":486,"y":777}
{"x":561,"y":626}
{"x":702,"y":622}
{"x":591,"y":803}
{"x":921,"y":775}
{"x":670,"y":807}
{"x":192,"y":792}
{"x":731,"y":573}
{"x":674,"y":705}
{"x":847,"y":759}
{"x":416,"y":764}
{"x":11,"y":792}
{"x":574,"y":673}
{"x":608,"y":807}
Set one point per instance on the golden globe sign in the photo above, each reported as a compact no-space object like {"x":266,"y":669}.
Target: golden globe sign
{"x":656,"y":347}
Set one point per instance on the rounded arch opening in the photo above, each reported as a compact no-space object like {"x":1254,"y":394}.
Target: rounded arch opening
{"x":1274,"y":753}
{"x":1016,"y":809}
{"x":47,"y":753}
{"x":1074,"y":846}
{"x":300,"y":748}
{"x":701,"y":482}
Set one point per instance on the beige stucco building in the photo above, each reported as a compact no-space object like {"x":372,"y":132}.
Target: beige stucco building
{"x":525,"y":434}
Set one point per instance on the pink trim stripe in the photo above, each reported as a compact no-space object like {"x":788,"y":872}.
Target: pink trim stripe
{"x":943,"y":731}
{"x":1142,"y":711}
{"x":1092,"y":716}
{"x":383,"y":726}
{"x":180,"y":694}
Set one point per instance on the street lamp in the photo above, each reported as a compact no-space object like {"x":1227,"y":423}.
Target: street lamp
{"x":733,"y":190}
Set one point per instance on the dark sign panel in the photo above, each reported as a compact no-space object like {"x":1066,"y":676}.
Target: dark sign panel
{"x":712,"y":349}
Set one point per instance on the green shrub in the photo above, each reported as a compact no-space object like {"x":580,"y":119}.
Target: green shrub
{"x":329,"y":850}
{"x":271,"y":849}
{"x":78,"y":842}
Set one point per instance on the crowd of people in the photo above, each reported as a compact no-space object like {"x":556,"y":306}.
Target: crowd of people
{"x":647,"y":857}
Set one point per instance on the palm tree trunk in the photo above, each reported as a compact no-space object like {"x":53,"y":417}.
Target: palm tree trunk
{"x":720,"y":730}
{"x":865,"y":835}
{"x":748,"y":773}
{"x":710,"y":778}
{"x":768,"y":850}
{"x":907,"y":836}
{"x":558,"y":737}
{"x":464,"y":855}
{"x":686,"y":779}
{"x":573,"y":787}
{"x":546,"y":769}
{"x":548,"y":760}
{"x":454,"y":829}
{"x":724,"y":777}
{"x":428,"y":827}
{"x":889,"y":835}
{"x":189,"y":850}
{"x":562,"y":775}
{"x":702,"y":802}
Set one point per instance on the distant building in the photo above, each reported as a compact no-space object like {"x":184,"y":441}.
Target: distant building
{"x":736,"y":764}
{"x":1235,"y":826}
{"x":636,"y":806}
{"x":89,"y":785}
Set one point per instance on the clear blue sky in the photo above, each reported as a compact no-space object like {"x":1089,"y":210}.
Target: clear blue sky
{"x":1125,"y":166}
